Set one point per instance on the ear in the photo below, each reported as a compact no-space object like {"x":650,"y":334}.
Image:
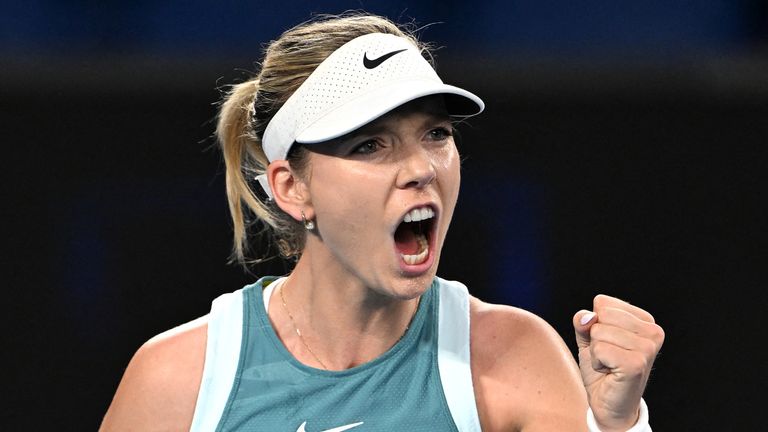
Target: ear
{"x":290,"y":192}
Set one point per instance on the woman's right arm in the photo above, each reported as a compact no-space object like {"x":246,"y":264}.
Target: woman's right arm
{"x":159,"y":388}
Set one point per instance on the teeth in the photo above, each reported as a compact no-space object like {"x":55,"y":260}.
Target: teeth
{"x":422,"y":255}
{"x":419,"y":214}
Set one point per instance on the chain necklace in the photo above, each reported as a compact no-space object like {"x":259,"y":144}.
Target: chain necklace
{"x":295,"y":327}
{"x":304,"y":342}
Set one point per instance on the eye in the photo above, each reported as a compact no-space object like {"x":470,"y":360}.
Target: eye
{"x":366,"y":147}
{"x":440,"y":133}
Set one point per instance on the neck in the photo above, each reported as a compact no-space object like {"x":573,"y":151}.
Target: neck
{"x":342,"y":323}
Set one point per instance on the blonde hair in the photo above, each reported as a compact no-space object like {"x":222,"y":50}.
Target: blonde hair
{"x":248,"y":107}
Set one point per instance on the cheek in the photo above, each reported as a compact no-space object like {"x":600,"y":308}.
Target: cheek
{"x":349,"y":208}
{"x":449,"y":179}
{"x":449,"y":167}
{"x":348,"y":194}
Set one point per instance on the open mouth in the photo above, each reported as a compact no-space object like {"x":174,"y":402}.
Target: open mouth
{"x":412,"y":235}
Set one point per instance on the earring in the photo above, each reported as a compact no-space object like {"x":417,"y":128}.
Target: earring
{"x":308,"y":224}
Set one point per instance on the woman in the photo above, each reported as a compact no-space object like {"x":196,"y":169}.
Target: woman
{"x":343,"y":146}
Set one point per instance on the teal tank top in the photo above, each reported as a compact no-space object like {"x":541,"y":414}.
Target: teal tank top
{"x":252,"y":383}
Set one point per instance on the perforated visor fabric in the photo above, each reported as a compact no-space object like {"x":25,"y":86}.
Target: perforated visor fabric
{"x":364,"y":79}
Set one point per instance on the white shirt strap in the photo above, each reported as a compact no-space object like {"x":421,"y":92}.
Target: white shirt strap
{"x":222,"y":357}
{"x":453,"y":355}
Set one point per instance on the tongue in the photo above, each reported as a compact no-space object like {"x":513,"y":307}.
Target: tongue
{"x":405,"y":240}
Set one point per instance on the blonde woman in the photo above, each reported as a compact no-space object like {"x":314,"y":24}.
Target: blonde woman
{"x":343,"y":146}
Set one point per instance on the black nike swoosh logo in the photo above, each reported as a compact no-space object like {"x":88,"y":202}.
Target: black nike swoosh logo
{"x":372,"y":63}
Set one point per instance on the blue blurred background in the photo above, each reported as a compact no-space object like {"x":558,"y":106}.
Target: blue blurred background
{"x":622,"y":151}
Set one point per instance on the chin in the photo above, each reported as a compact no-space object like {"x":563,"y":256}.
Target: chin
{"x":410,"y":286}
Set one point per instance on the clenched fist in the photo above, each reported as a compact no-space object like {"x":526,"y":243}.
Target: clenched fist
{"x":617,"y":343}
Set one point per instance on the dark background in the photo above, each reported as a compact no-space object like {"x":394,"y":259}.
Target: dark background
{"x":622,"y":151}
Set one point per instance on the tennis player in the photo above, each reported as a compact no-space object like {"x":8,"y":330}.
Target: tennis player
{"x":343,"y":146}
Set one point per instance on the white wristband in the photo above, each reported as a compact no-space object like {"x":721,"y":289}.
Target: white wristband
{"x":642,"y":424}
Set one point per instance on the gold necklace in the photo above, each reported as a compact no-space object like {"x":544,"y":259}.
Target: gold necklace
{"x":301,"y":338}
{"x":295,"y":327}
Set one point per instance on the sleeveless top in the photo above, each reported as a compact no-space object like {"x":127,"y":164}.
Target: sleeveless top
{"x":252,"y":383}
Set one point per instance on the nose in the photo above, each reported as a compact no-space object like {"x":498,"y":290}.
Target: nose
{"x":418,"y":168}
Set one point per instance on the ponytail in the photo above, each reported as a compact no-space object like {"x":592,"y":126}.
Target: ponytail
{"x":244,"y":159}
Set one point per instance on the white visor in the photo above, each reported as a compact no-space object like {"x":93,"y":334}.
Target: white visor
{"x":358,"y":83}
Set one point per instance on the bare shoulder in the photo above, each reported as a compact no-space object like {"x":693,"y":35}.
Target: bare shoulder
{"x":159,"y":388}
{"x":524,"y":375}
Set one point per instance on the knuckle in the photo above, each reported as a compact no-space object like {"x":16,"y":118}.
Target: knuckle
{"x":651,"y":318}
{"x":638,"y":365}
{"x":601,"y":350}
{"x":600,"y":300}
{"x":596,"y":348}
{"x":649,"y":347}
{"x":595,"y":331}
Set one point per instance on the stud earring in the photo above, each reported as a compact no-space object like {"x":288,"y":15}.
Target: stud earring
{"x":308,"y":224}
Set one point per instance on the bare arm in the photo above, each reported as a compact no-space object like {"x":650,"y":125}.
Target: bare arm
{"x":525,"y":377}
{"x":159,"y":388}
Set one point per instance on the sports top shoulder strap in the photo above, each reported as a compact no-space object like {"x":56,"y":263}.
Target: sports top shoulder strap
{"x":453,"y":355}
